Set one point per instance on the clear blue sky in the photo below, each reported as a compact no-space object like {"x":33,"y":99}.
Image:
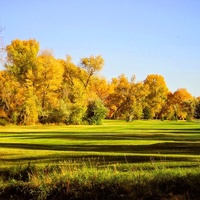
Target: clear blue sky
{"x":135,"y":37}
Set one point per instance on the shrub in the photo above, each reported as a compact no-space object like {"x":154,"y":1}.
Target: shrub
{"x":96,"y":111}
{"x":76,"y":114}
{"x":147,"y":113}
{"x":55,"y":116}
{"x":3,"y":121}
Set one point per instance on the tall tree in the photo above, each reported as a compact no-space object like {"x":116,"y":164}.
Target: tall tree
{"x":48,"y":80}
{"x":119,"y":98}
{"x":21,"y":63}
{"x":21,"y":57}
{"x":11,"y":96}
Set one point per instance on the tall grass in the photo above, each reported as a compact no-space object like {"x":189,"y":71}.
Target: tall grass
{"x":90,"y":180}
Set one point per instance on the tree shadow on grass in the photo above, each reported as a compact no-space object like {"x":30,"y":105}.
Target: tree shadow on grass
{"x":101,"y":159}
{"x":190,"y":135}
{"x":79,"y":151}
{"x":182,"y":148}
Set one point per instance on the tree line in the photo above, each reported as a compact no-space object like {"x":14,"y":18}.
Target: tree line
{"x":36,"y":87}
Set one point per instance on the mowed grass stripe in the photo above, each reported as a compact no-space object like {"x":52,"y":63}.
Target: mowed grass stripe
{"x":139,"y":141}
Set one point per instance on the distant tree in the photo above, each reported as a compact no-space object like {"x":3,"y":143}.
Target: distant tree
{"x":127,"y":99}
{"x":179,"y":105}
{"x":157,"y":93}
{"x":183,"y":103}
{"x":119,"y":98}
{"x":167,"y":111}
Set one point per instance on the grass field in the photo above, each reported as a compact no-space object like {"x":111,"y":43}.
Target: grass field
{"x":116,"y":147}
{"x":114,"y":141}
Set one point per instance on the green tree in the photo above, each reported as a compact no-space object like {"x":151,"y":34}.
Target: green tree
{"x":147,"y":113}
{"x":197,"y":109}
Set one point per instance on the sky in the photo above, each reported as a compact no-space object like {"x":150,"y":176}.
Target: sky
{"x":135,"y":37}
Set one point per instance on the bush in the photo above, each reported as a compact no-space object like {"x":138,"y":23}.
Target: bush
{"x":76,"y":114}
{"x":55,"y":116}
{"x":3,"y":122}
{"x":147,"y":113}
{"x":96,"y":111}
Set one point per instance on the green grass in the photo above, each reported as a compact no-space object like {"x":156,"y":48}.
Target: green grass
{"x":115,"y":141}
{"x":116,"y":158}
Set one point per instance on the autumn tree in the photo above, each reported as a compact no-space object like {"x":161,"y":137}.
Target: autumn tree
{"x":89,"y":66}
{"x":138,"y":93}
{"x":21,"y":57}
{"x":117,"y":100}
{"x":21,"y":64}
{"x":157,"y":93}
{"x":167,"y":111}
{"x":183,"y":104}
{"x":47,"y":82}
{"x":11,"y":97}
{"x":100,"y":89}
{"x":72,"y":92}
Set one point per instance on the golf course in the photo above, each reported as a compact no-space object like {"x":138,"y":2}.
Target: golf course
{"x":142,"y":159}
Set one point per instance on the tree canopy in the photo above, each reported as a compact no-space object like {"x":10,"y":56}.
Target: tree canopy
{"x":36,"y":87}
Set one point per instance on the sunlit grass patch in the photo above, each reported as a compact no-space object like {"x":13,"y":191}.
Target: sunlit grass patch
{"x":138,"y":140}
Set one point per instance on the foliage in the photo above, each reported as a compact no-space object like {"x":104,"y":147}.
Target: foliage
{"x":90,"y":66}
{"x":3,"y":121}
{"x":147,"y":113}
{"x":96,"y":112}
{"x":34,"y":83}
{"x":21,"y":57}
{"x":197,"y":109}
{"x":157,"y":93}
{"x":77,"y":112}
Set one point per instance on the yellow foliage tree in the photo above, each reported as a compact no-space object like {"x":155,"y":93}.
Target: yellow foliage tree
{"x":89,"y":67}
{"x":48,"y":80}
{"x":157,"y":93}
{"x":183,"y":103}
{"x":21,"y":57}
{"x":11,"y":96}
